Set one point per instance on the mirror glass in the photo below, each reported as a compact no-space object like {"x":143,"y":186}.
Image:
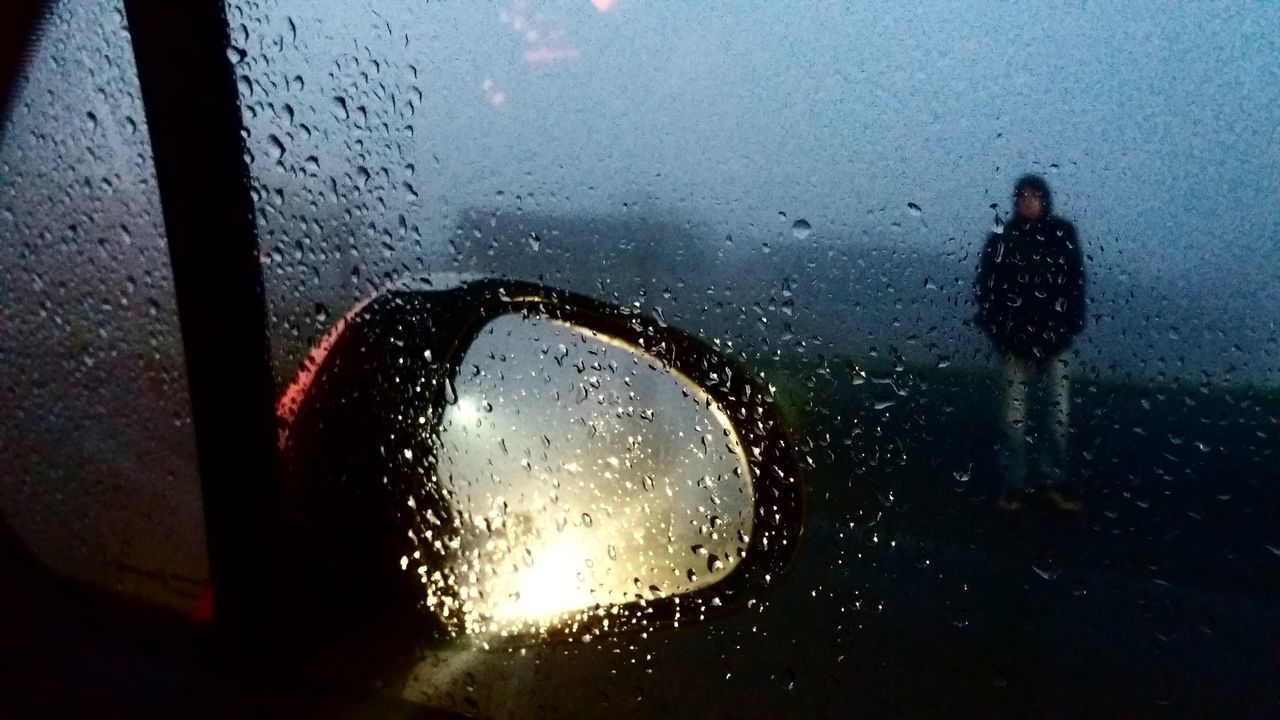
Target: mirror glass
{"x":583,"y":475}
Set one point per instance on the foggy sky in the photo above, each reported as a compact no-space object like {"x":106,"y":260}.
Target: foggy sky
{"x":1159,"y":132}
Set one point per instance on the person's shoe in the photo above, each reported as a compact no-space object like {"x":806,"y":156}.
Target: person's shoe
{"x":1011,"y":501}
{"x":1063,"y":502}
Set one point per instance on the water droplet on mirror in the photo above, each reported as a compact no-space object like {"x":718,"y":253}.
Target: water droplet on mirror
{"x":914,"y":209}
{"x":801,"y":229}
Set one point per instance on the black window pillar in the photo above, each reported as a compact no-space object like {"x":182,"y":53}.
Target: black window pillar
{"x":193,"y":114}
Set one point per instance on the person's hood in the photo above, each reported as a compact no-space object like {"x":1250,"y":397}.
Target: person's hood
{"x":1039,"y":184}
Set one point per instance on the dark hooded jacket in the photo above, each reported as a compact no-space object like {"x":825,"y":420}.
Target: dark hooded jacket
{"x":1031,"y":284}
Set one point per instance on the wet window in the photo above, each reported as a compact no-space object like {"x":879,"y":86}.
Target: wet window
{"x":97,"y":471}
{"x":585,"y":474}
{"x":1007,"y":273}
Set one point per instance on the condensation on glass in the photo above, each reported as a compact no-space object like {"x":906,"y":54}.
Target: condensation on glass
{"x":582,"y":474}
{"x":97,"y":468}
{"x":807,"y":186}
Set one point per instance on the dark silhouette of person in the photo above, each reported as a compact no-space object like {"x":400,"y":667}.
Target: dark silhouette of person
{"x":1031,"y":304}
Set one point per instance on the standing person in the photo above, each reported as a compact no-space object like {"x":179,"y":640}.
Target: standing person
{"x":1031,"y":304}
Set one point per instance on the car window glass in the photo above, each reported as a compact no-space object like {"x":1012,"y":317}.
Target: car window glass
{"x":97,"y":473}
{"x":584,"y":474}
{"x":812,"y":189}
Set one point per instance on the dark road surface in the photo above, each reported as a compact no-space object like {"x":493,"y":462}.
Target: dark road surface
{"x":911,"y":594}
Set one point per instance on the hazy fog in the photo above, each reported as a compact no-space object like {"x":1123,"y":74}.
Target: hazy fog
{"x":1159,"y":131}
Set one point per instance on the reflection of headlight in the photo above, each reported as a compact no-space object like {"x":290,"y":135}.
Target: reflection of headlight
{"x":466,"y":412}
{"x":548,"y":587}
{"x":645,"y":457}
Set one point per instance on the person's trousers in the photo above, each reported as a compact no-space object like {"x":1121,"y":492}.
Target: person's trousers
{"x":1026,"y":382}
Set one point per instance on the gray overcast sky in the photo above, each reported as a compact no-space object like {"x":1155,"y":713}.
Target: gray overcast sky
{"x":1159,"y":128}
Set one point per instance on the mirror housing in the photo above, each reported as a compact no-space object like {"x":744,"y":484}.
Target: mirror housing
{"x":357,"y":491}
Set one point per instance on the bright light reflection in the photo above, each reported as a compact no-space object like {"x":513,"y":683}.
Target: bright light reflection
{"x":582,"y":476}
{"x":466,"y":411}
{"x":549,"y":588}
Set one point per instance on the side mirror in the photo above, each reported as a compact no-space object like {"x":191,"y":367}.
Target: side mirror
{"x":510,"y":461}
